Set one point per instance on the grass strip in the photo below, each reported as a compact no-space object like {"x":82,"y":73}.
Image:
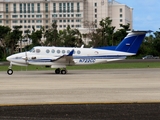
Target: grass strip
{"x":110,"y":65}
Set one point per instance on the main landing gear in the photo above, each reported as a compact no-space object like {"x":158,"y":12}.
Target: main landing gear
{"x":63,"y":71}
{"x":10,"y":71}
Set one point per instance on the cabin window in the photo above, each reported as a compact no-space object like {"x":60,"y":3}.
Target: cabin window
{"x":47,"y":51}
{"x":63,"y":51}
{"x":37,"y":50}
{"x":53,"y":51}
{"x":58,"y":51}
{"x":68,"y":51}
{"x":78,"y":52}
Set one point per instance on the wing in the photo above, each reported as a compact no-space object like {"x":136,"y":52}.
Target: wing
{"x":65,"y":59}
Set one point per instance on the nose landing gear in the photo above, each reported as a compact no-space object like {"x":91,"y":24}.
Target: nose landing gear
{"x":10,"y":71}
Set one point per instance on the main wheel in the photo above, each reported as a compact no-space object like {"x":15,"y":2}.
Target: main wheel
{"x":57,"y":71}
{"x":10,"y":71}
{"x":63,"y":71}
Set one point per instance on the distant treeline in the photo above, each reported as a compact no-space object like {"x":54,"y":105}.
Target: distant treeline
{"x":103,"y":36}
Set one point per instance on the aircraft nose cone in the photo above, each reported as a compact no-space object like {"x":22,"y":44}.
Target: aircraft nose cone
{"x":8,"y":58}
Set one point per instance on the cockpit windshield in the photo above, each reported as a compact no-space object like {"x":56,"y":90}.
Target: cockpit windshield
{"x":32,"y":50}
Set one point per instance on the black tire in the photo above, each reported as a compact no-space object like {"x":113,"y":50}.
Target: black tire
{"x":63,"y":71}
{"x":57,"y":71}
{"x":10,"y":71}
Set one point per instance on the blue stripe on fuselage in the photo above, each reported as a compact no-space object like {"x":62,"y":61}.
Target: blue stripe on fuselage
{"x":82,"y":57}
{"x":99,"y":57}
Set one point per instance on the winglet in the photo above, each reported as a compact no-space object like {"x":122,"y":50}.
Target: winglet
{"x":71,"y":53}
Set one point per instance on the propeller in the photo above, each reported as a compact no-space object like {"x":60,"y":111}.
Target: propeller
{"x":26,"y":57}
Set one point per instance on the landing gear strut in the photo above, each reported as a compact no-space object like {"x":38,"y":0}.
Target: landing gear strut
{"x":63,"y":71}
{"x":10,"y":71}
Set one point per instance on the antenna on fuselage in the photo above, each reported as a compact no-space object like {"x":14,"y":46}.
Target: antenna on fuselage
{"x":82,"y":46}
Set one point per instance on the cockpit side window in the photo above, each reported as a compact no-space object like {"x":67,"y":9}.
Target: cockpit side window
{"x":32,"y":50}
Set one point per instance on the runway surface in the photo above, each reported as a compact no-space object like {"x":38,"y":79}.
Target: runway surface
{"x":80,"y":86}
{"x":81,"y":94}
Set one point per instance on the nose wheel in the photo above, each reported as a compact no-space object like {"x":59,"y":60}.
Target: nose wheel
{"x":10,"y":71}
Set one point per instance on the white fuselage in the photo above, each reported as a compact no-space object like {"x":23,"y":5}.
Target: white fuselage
{"x":81,"y":56}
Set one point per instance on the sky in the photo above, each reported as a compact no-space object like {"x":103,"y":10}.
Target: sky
{"x":146,"y":14}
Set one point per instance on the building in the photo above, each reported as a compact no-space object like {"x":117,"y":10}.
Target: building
{"x":120,"y":14}
{"x":79,"y":14}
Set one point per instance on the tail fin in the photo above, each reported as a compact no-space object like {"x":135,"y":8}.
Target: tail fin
{"x":132,"y":41}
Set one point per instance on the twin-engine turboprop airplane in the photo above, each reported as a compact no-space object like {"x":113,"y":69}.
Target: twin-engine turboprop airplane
{"x":60,"y":57}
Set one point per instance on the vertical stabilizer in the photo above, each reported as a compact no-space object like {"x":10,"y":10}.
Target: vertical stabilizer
{"x":132,"y":42}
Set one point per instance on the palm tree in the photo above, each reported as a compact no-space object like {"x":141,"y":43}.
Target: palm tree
{"x":4,"y":31}
{"x":51,"y":35}
{"x":71,"y":37}
{"x":12,"y":38}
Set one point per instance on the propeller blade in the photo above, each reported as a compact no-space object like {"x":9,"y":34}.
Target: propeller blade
{"x":26,"y":57}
